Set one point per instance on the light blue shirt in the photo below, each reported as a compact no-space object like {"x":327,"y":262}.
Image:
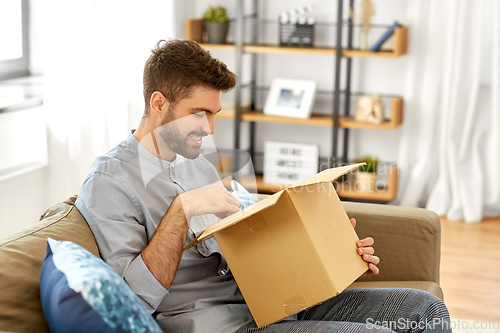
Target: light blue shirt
{"x":123,"y":199}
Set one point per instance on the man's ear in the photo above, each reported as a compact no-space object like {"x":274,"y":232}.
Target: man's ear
{"x":158,"y":104}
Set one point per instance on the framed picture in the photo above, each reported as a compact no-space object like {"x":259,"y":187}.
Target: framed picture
{"x":290,"y":98}
{"x":287,"y":163}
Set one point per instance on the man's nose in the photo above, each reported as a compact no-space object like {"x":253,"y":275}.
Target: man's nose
{"x":208,"y":124}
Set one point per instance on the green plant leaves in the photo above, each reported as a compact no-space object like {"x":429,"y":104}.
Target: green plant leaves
{"x":371,"y":163}
{"x":216,"y":14}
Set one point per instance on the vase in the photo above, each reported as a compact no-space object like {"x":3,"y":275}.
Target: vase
{"x":216,"y":32}
{"x":366,"y":181}
{"x":364,"y":44}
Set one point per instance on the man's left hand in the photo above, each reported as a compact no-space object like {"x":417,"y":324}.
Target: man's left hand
{"x":366,"y":251}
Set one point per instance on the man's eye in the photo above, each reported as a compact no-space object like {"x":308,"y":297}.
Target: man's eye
{"x":200,"y":114}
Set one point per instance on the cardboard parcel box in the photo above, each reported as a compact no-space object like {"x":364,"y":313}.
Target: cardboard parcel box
{"x":291,"y":250}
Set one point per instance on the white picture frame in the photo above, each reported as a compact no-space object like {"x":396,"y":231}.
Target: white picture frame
{"x":290,"y":98}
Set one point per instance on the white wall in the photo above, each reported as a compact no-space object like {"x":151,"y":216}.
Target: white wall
{"x":372,"y":75}
{"x":23,"y":168}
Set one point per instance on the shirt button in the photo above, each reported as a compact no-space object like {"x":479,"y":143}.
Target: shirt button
{"x":203,"y":250}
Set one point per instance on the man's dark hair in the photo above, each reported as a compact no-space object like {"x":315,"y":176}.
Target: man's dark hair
{"x":175,"y":67}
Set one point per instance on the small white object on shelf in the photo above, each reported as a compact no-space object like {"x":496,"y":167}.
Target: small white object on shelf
{"x":291,"y":98}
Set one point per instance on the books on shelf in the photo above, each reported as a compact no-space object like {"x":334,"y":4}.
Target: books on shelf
{"x":385,"y":37}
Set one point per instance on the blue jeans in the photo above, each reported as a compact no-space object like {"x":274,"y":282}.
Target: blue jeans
{"x":368,"y":310}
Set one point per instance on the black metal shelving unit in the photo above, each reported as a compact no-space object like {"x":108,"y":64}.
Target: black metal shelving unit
{"x":254,"y":16}
{"x":338,"y":53}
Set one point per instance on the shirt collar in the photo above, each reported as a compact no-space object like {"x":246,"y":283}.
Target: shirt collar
{"x":146,"y":154}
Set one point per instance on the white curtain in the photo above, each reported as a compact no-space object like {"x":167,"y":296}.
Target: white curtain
{"x":450,"y":149}
{"x":94,"y":53}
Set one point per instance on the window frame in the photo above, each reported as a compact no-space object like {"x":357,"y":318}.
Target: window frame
{"x":14,"y":68}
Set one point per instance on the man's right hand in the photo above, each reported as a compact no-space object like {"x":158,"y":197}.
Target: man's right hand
{"x":213,"y":199}
{"x":163,"y":253}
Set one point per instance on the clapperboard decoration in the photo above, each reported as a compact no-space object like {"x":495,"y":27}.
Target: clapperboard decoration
{"x":295,"y":28}
{"x":287,"y":163}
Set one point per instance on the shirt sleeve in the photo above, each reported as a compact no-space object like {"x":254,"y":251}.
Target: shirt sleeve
{"x":118,"y":224}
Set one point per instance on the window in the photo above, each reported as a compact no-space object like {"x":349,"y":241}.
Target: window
{"x":14,"y":46}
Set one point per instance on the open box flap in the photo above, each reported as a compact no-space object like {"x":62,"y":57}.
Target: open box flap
{"x":235,"y":218}
{"x":328,"y":175}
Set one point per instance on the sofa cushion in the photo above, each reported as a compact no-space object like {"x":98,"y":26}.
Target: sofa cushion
{"x":407,"y":240}
{"x":428,"y":286}
{"x":81,"y":293}
{"x":21,"y":258}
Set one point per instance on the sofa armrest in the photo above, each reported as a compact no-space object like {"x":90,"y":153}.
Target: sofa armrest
{"x":407,"y":240}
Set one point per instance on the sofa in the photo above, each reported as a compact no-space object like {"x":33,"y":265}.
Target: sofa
{"x":407,"y":240}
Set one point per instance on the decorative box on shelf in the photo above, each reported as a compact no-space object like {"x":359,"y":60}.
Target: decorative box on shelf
{"x":295,"y":29}
{"x":297,"y":34}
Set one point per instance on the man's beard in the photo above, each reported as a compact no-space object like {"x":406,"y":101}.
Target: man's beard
{"x":173,"y":138}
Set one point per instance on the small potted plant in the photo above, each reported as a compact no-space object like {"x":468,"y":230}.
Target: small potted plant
{"x":216,"y":24}
{"x":367,"y":174}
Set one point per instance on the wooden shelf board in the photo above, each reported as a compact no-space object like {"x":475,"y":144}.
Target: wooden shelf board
{"x":259,"y":116}
{"x":288,"y":49}
{"x":348,"y":122}
{"x":301,"y":50}
{"x":314,"y":120}
{"x":224,"y":116}
{"x":222,"y":47}
{"x":367,"y":54}
{"x":264,"y":48}
{"x":344,"y":191}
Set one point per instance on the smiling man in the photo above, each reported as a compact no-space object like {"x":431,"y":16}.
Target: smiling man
{"x":153,"y":193}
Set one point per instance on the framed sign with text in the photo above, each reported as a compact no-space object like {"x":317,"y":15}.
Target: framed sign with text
{"x":288,"y":163}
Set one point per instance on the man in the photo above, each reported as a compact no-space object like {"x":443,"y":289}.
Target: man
{"x":153,"y":193}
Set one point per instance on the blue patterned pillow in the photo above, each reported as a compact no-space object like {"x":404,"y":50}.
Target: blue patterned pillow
{"x":81,"y":293}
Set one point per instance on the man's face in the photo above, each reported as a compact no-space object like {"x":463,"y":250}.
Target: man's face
{"x":192,"y":118}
